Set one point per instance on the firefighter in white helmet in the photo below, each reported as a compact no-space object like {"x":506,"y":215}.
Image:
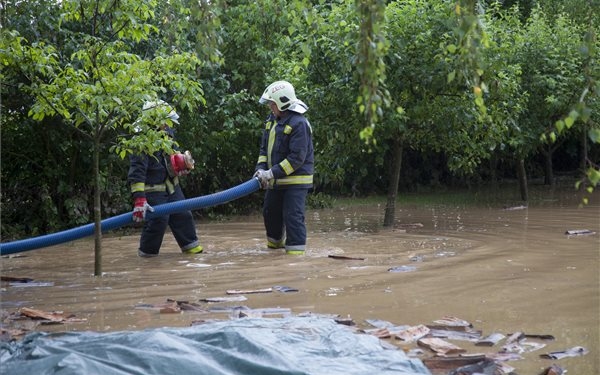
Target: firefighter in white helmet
{"x":285,"y":167}
{"x":154,"y":179}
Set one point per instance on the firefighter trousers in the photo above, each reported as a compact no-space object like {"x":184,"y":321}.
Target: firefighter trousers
{"x":182,"y":224}
{"x":283,"y":214}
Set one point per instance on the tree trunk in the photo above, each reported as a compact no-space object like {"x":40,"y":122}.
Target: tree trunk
{"x":493,"y":171}
{"x":97,"y":211}
{"x":522,"y":175}
{"x":549,"y":175}
{"x":584,"y":150}
{"x":390,"y":207}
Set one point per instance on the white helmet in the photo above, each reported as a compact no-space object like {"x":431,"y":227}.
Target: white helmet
{"x":282,"y":93}
{"x":172,"y":115}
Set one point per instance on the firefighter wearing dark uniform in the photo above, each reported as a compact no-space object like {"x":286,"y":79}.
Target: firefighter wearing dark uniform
{"x":154,"y":180}
{"x":285,"y":168}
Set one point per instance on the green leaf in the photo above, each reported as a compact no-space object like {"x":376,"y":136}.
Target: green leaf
{"x":594,"y":135}
{"x":451,"y":76}
{"x":569,"y":121}
{"x":594,"y":176}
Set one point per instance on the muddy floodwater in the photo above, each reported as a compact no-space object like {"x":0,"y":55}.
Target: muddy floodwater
{"x":503,"y":270}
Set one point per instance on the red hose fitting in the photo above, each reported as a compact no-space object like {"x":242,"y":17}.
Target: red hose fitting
{"x":182,"y":163}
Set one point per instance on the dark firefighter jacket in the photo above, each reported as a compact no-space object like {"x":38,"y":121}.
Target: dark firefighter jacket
{"x":287,"y":149}
{"x":148,"y":174}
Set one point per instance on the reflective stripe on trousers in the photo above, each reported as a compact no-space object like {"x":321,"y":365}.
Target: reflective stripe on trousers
{"x":283,"y":214}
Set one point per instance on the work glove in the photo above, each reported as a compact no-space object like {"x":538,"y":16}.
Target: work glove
{"x":264,"y":177}
{"x":140,"y":207}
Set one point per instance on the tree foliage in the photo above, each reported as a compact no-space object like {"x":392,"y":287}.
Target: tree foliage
{"x":437,"y":87}
{"x":98,"y":87}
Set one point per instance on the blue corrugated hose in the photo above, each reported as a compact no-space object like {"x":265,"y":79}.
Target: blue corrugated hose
{"x":215,"y":199}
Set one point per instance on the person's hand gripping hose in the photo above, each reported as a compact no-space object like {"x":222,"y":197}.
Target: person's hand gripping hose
{"x":264,"y":177}
{"x":140,"y":207}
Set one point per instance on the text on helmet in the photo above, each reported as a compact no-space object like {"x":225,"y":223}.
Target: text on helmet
{"x":277,"y":88}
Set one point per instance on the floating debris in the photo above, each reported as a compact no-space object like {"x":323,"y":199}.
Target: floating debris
{"x":417,"y":258}
{"x":415,"y":352}
{"x":184,"y":306}
{"x":224,"y":299}
{"x":32,"y":284}
{"x":170,"y":307}
{"x":10,"y":334}
{"x":579,"y":232}
{"x":449,"y":358}
{"x":187,"y":305}
{"x":335,"y":317}
{"x":260,"y":313}
{"x":383,"y":329}
{"x":514,"y":338}
{"x":382,"y":333}
{"x":402,"y":269}
{"x":378,"y":323}
{"x":451,"y":322}
{"x":503,"y":357}
{"x":284,"y":289}
{"x":227,"y":309}
{"x":24,"y":282}
{"x":451,"y":363}
{"x":53,"y":317}
{"x":196,"y":322}
{"x":490,"y":340}
{"x":486,"y":366}
{"x":553,"y":370}
{"x":413,"y":333}
{"x":347,"y":321}
{"x":249,"y":291}
{"x":342,"y":257}
{"x":472,"y":336}
{"x":16,"y":279}
{"x":440,"y":346}
{"x":540,"y":337}
{"x":522,"y":346}
{"x":575,"y":351}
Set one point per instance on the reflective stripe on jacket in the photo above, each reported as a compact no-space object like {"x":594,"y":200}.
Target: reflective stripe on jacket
{"x":287,"y":149}
{"x":149,"y":174}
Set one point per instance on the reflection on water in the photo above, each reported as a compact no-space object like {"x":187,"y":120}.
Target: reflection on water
{"x":502,"y":270}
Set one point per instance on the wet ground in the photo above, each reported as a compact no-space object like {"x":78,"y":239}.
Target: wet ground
{"x":502,"y":270}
